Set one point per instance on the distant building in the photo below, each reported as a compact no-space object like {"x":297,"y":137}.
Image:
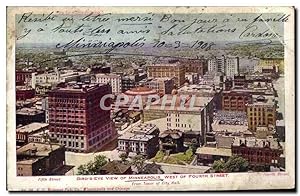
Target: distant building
{"x":39,"y":159}
{"x":176,"y":70}
{"x":273,"y":65}
{"x":77,"y":121}
{"x":261,"y":111}
{"x":128,"y":83}
{"x":224,"y":64}
{"x":141,"y":139}
{"x":258,"y":152}
{"x":192,"y":78}
{"x":194,"y":65}
{"x":114,"y":80}
{"x":161,"y":85}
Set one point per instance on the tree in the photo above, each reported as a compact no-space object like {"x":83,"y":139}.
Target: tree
{"x":92,"y":167}
{"x":123,"y":157}
{"x":236,"y":164}
{"x":139,"y":162}
{"x":219,"y":166}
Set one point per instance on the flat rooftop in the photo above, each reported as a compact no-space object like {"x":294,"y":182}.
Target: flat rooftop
{"x":37,"y":149}
{"x":136,"y":137}
{"x":214,"y":151}
{"x":29,"y":111}
{"x":32,"y":127}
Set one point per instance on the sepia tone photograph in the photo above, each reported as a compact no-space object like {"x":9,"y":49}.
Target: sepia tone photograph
{"x":156,"y":98}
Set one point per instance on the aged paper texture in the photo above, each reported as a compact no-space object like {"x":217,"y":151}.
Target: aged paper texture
{"x":150,"y":98}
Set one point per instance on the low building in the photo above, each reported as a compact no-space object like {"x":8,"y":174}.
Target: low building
{"x":171,"y":141}
{"x":26,"y":116}
{"x":24,"y":134}
{"x":258,"y":152}
{"x":141,"y":139}
{"x":207,"y":155}
{"x":39,"y":159}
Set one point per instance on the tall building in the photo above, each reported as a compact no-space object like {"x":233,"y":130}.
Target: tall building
{"x":216,"y":64}
{"x":227,"y":65}
{"x":76,"y":119}
{"x":231,"y":66}
{"x":114,"y":80}
{"x":176,"y":70}
{"x":261,"y":111}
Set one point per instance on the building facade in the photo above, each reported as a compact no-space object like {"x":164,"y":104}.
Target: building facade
{"x":77,"y":121}
{"x":173,"y":70}
{"x":23,"y":93}
{"x":141,"y":139}
{"x":224,"y":64}
{"x":39,"y":159}
{"x":261,"y":111}
{"x":114,"y":80}
{"x":161,"y":85}
{"x":258,"y":152}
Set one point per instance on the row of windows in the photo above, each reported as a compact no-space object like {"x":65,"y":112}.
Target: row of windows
{"x":68,"y":136}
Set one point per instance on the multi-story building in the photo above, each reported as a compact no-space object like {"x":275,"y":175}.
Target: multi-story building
{"x":26,"y":116}
{"x":224,"y":64}
{"x":161,"y":85}
{"x":232,"y":66}
{"x":203,"y":90}
{"x":195,"y":65}
{"x":76,"y":119}
{"x":216,"y":64}
{"x":114,"y":80}
{"x":23,"y":77}
{"x":176,"y":70}
{"x":258,"y":152}
{"x":23,"y":93}
{"x":141,"y":139}
{"x":171,"y":140}
{"x":40,"y":159}
{"x":128,"y":82}
{"x":236,"y":98}
{"x":188,"y":114}
{"x":275,"y":64}
{"x":192,"y":78}
{"x":24,"y":132}
{"x":261,"y":111}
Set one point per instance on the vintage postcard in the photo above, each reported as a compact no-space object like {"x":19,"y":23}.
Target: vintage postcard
{"x":150,"y":98}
